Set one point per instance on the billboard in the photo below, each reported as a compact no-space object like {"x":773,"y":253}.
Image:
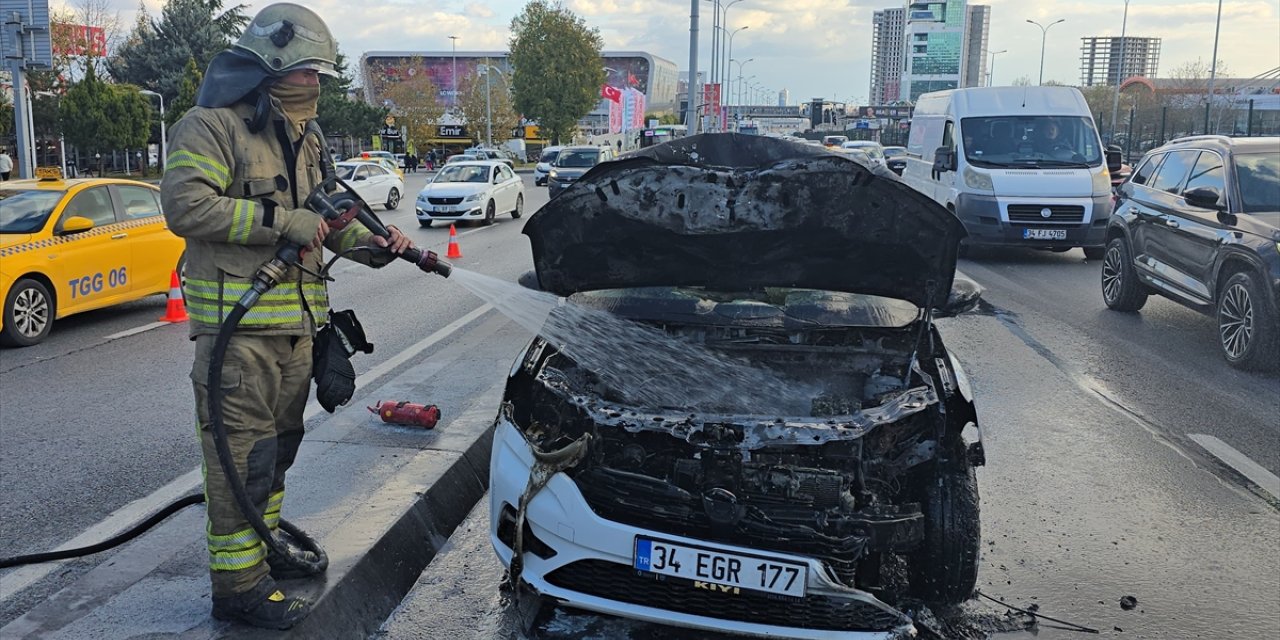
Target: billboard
{"x":79,"y":40}
{"x":893,"y":113}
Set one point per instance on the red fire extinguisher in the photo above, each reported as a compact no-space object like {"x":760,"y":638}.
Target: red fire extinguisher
{"x":407,"y":413}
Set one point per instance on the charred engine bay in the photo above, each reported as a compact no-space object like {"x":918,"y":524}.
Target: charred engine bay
{"x":838,"y":484}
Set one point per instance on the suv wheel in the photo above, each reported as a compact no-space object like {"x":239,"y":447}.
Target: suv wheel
{"x":1245,"y":332}
{"x":1120,"y":287}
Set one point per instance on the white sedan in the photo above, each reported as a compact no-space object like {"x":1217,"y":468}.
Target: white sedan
{"x":373,"y":182}
{"x":477,"y":190}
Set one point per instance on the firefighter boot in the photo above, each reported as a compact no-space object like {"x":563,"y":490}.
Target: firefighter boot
{"x":263,"y":606}
{"x":305,"y":565}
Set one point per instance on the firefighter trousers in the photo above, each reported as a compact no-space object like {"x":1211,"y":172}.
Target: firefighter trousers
{"x":265,"y":384}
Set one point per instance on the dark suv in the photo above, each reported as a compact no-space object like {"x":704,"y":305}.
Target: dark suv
{"x":1199,"y":223}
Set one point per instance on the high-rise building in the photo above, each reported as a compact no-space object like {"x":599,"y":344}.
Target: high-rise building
{"x":1101,"y":60}
{"x":976,"y":29}
{"x":888,"y":53}
{"x":784,"y":98}
{"x":945,"y":46}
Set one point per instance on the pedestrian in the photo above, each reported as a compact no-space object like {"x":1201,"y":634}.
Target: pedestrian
{"x":413,"y":163}
{"x":241,"y":164}
{"x":6,"y":164}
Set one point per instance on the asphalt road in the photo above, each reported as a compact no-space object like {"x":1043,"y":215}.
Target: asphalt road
{"x":1094,"y":488}
{"x":92,"y":420}
{"x":1093,"y":491}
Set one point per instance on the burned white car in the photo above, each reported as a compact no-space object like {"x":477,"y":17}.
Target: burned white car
{"x":809,"y":501}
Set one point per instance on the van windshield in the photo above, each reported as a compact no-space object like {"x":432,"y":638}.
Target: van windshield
{"x":1031,"y":142}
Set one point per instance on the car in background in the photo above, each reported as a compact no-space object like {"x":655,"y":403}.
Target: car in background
{"x":384,"y":158}
{"x":474,"y":190}
{"x":373,"y":182}
{"x":834,"y":141}
{"x":895,"y":158}
{"x":485,"y":153}
{"x":572,"y":162}
{"x":463,"y":157}
{"x":543,"y":167}
{"x":872,"y":149}
{"x":68,"y":246}
{"x":1199,"y":223}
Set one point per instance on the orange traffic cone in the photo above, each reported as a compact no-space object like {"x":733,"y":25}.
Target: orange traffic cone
{"x":177,"y":309}
{"x":454,"y":251}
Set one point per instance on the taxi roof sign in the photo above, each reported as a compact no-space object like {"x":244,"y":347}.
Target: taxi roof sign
{"x":48,"y":174}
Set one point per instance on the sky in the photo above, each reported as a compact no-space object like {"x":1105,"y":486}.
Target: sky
{"x":813,"y":48}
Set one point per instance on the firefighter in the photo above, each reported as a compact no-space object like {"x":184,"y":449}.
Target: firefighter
{"x":238,"y":172}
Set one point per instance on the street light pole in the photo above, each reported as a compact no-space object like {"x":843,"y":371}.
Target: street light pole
{"x":722,"y":61}
{"x":164,"y":139}
{"x":1044,"y":34}
{"x":488,"y":106}
{"x":1115,"y":99}
{"x":991,"y":67}
{"x":454,"y":40}
{"x":691,"y":113}
{"x":1213,"y":68}
{"x":730,"y":67}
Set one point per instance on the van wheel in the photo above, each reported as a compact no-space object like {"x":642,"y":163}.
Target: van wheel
{"x":1121,"y":290}
{"x":1247,"y":336}
{"x":1095,"y":253}
{"x":28,"y":314}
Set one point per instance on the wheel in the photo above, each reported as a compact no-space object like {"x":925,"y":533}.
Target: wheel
{"x":424,"y":223}
{"x":1246,"y":333}
{"x":489,"y":212}
{"x":393,"y":199}
{"x":1094,"y":253}
{"x":964,"y":251}
{"x":944,"y":569}
{"x":28,"y":314}
{"x":1120,"y":287}
{"x":519,"y":210}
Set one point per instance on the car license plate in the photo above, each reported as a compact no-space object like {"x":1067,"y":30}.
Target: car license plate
{"x":442,"y":209}
{"x":1044,"y":234}
{"x":722,"y":571}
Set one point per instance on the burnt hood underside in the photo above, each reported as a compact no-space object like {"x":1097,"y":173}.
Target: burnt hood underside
{"x":735,"y":212}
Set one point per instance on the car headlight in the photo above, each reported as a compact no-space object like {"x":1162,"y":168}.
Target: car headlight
{"x":473,"y":197}
{"x":553,"y":173}
{"x":1102,"y":182}
{"x":977,"y":180}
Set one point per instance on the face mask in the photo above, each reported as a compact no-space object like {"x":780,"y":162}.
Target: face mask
{"x":297,"y":100}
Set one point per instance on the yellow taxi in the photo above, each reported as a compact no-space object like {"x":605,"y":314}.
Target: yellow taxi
{"x":68,"y":246}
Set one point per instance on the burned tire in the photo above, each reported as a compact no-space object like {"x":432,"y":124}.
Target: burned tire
{"x":945,"y":568}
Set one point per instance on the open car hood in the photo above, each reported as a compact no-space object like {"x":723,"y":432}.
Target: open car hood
{"x":734,"y":212}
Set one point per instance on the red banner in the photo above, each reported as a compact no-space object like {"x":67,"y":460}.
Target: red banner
{"x":78,"y":40}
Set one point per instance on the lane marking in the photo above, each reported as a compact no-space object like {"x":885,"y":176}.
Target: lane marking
{"x":190,"y":482}
{"x":1240,"y":462}
{"x":135,"y":331}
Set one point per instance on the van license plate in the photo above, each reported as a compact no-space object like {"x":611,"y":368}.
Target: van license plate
{"x":721,"y":571}
{"x":1044,"y":234}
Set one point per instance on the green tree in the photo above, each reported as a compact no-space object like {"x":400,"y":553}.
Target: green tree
{"x":187,"y":92}
{"x":154,"y":55}
{"x":98,"y":117}
{"x":415,"y":104}
{"x":342,"y":116}
{"x":557,"y":72}
{"x":6,"y":114}
{"x":475,"y":110}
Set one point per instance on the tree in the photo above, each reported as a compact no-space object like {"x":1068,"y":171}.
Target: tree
{"x":339,"y":114}
{"x":557,"y":74}
{"x":475,"y":110}
{"x":6,"y":114}
{"x":98,"y":117}
{"x":415,"y":104}
{"x":1022,"y":82}
{"x":155,"y":53}
{"x":188,"y":89}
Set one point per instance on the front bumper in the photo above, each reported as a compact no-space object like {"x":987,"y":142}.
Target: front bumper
{"x":462,"y":211}
{"x":986,"y":219}
{"x":584,"y":561}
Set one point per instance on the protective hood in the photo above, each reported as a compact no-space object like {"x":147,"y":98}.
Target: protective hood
{"x":230,"y":77}
{"x":735,"y":212}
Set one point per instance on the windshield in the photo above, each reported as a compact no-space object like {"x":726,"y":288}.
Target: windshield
{"x":549,"y":156}
{"x":777,"y":307}
{"x":869,"y":149}
{"x":894,"y":152}
{"x":347,"y":171}
{"x":578,"y":159}
{"x":1259,"y":178}
{"x":1031,"y":142}
{"x":463,"y":173}
{"x":26,"y":211}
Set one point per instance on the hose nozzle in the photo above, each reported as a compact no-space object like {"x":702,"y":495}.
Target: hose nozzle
{"x":431,"y":262}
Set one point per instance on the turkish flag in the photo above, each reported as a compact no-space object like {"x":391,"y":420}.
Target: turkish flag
{"x":612,"y":93}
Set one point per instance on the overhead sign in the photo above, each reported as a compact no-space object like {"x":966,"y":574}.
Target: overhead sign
{"x":766,"y":111}
{"x":24,"y":33}
{"x":452,"y":131}
{"x":892,"y":113}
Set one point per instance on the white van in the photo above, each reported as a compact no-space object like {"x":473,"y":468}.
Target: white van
{"x":1018,"y":165}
